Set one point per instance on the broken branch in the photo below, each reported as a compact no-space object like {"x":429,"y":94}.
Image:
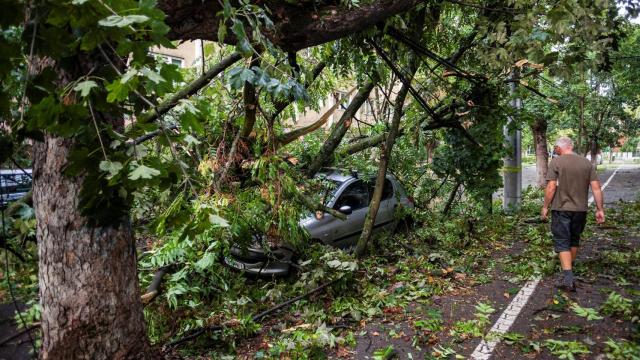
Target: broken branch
{"x":285,"y":139}
{"x":255,"y":318}
{"x":339,"y":129}
{"x":192,"y":88}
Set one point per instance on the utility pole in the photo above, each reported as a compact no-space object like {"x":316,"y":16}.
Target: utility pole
{"x":512,"y":169}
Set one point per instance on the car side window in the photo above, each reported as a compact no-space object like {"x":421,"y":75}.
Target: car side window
{"x":355,"y":195}
{"x":387,"y":191}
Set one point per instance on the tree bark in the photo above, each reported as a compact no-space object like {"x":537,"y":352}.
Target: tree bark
{"x":385,"y":158}
{"x":87,"y":275}
{"x":452,"y":197}
{"x":250,"y":102}
{"x":581,"y":131}
{"x":287,"y":138}
{"x":594,"y":151}
{"x":297,"y":25}
{"x":363,"y":144}
{"x":539,"y":130}
{"x":431,"y":145}
{"x":339,"y":130}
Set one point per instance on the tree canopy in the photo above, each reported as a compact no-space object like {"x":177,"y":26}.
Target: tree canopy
{"x":181,"y":164}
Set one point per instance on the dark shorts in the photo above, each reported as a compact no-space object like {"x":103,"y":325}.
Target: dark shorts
{"x":566,"y":227}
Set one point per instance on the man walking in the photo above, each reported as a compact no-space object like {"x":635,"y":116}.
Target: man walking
{"x":568,"y":181}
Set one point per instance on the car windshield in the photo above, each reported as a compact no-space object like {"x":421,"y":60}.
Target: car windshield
{"x":322,"y":190}
{"x":328,"y":189}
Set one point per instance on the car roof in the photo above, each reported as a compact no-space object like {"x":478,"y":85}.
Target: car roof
{"x":338,"y":177}
{"x":14,"y":172}
{"x":341,"y":176}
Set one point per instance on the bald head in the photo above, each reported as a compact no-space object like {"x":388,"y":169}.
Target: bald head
{"x":564,"y":145}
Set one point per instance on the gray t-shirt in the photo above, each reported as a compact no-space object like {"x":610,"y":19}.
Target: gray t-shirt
{"x":573,"y":174}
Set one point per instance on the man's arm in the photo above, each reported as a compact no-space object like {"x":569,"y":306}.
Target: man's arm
{"x":549,"y":192}
{"x":597,"y":196}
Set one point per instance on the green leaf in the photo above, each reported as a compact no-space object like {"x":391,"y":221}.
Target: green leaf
{"x":122,"y":21}
{"x":152,"y":75}
{"x":112,"y":167}
{"x":261,"y":77}
{"x":147,"y":4}
{"x":128,"y":75}
{"x":227,"y":8}
{"x":143,"y":172}
{"x":206,"y":261}
{"x":117,"y":91}
{"x":217,"y":220}
{"x":191,"y":140}
{"x":384,"y":354}
{"x":78,"y":2}
{"x":588,"y":313}
{"x":238,"y":29}
{"x":244,"y":47}
{"x":85,"y":87}
{"x":222,"y":32}
{"x":238,"y":76}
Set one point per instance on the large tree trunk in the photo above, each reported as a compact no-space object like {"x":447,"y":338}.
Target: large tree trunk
{"x":594,"y":151}
{"x":582,"y":132}
{"x":539,"y":130}
{"x":431,"y":145}
{"x":385,"y":158}
{"x":87,"y":275}
{"x":594,"y":147}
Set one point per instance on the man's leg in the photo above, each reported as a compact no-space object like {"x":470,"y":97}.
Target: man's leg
{"x":578,"y":222}
{"x":561,"y":230}
{"x":566,"y":259}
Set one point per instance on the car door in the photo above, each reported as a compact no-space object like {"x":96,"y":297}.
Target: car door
{"x":346,"y":233}
{"x":384,"y":218}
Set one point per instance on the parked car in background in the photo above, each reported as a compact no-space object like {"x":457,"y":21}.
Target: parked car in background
{"x":14,"y":184}
{"x":351,"y":196}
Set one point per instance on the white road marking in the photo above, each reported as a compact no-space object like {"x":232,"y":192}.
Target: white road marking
{"x":606,"y":182}
{"x":485,"y":349}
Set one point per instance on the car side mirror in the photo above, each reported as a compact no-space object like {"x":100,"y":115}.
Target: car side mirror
{"x":346,"y":209}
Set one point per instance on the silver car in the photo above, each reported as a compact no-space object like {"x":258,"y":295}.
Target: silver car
{"x":351,"y":196}
{"x":14,"y":184}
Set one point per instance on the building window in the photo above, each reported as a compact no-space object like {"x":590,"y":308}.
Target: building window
{"x":174,"y":60}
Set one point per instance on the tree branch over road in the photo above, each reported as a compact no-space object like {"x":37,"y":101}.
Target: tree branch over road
{"x":297,"y":26}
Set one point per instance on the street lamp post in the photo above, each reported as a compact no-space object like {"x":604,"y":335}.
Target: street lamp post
{"x":512,"y":169}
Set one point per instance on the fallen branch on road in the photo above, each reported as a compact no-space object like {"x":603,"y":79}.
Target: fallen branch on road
{"x":154,"y":288}
{"x":4,"y":341}
{"x":255,"y":318}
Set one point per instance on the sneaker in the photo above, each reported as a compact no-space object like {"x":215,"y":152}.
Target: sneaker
{"x":565,"y":286}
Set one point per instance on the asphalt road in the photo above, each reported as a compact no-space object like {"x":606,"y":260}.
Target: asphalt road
{"x":622,"y":185}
